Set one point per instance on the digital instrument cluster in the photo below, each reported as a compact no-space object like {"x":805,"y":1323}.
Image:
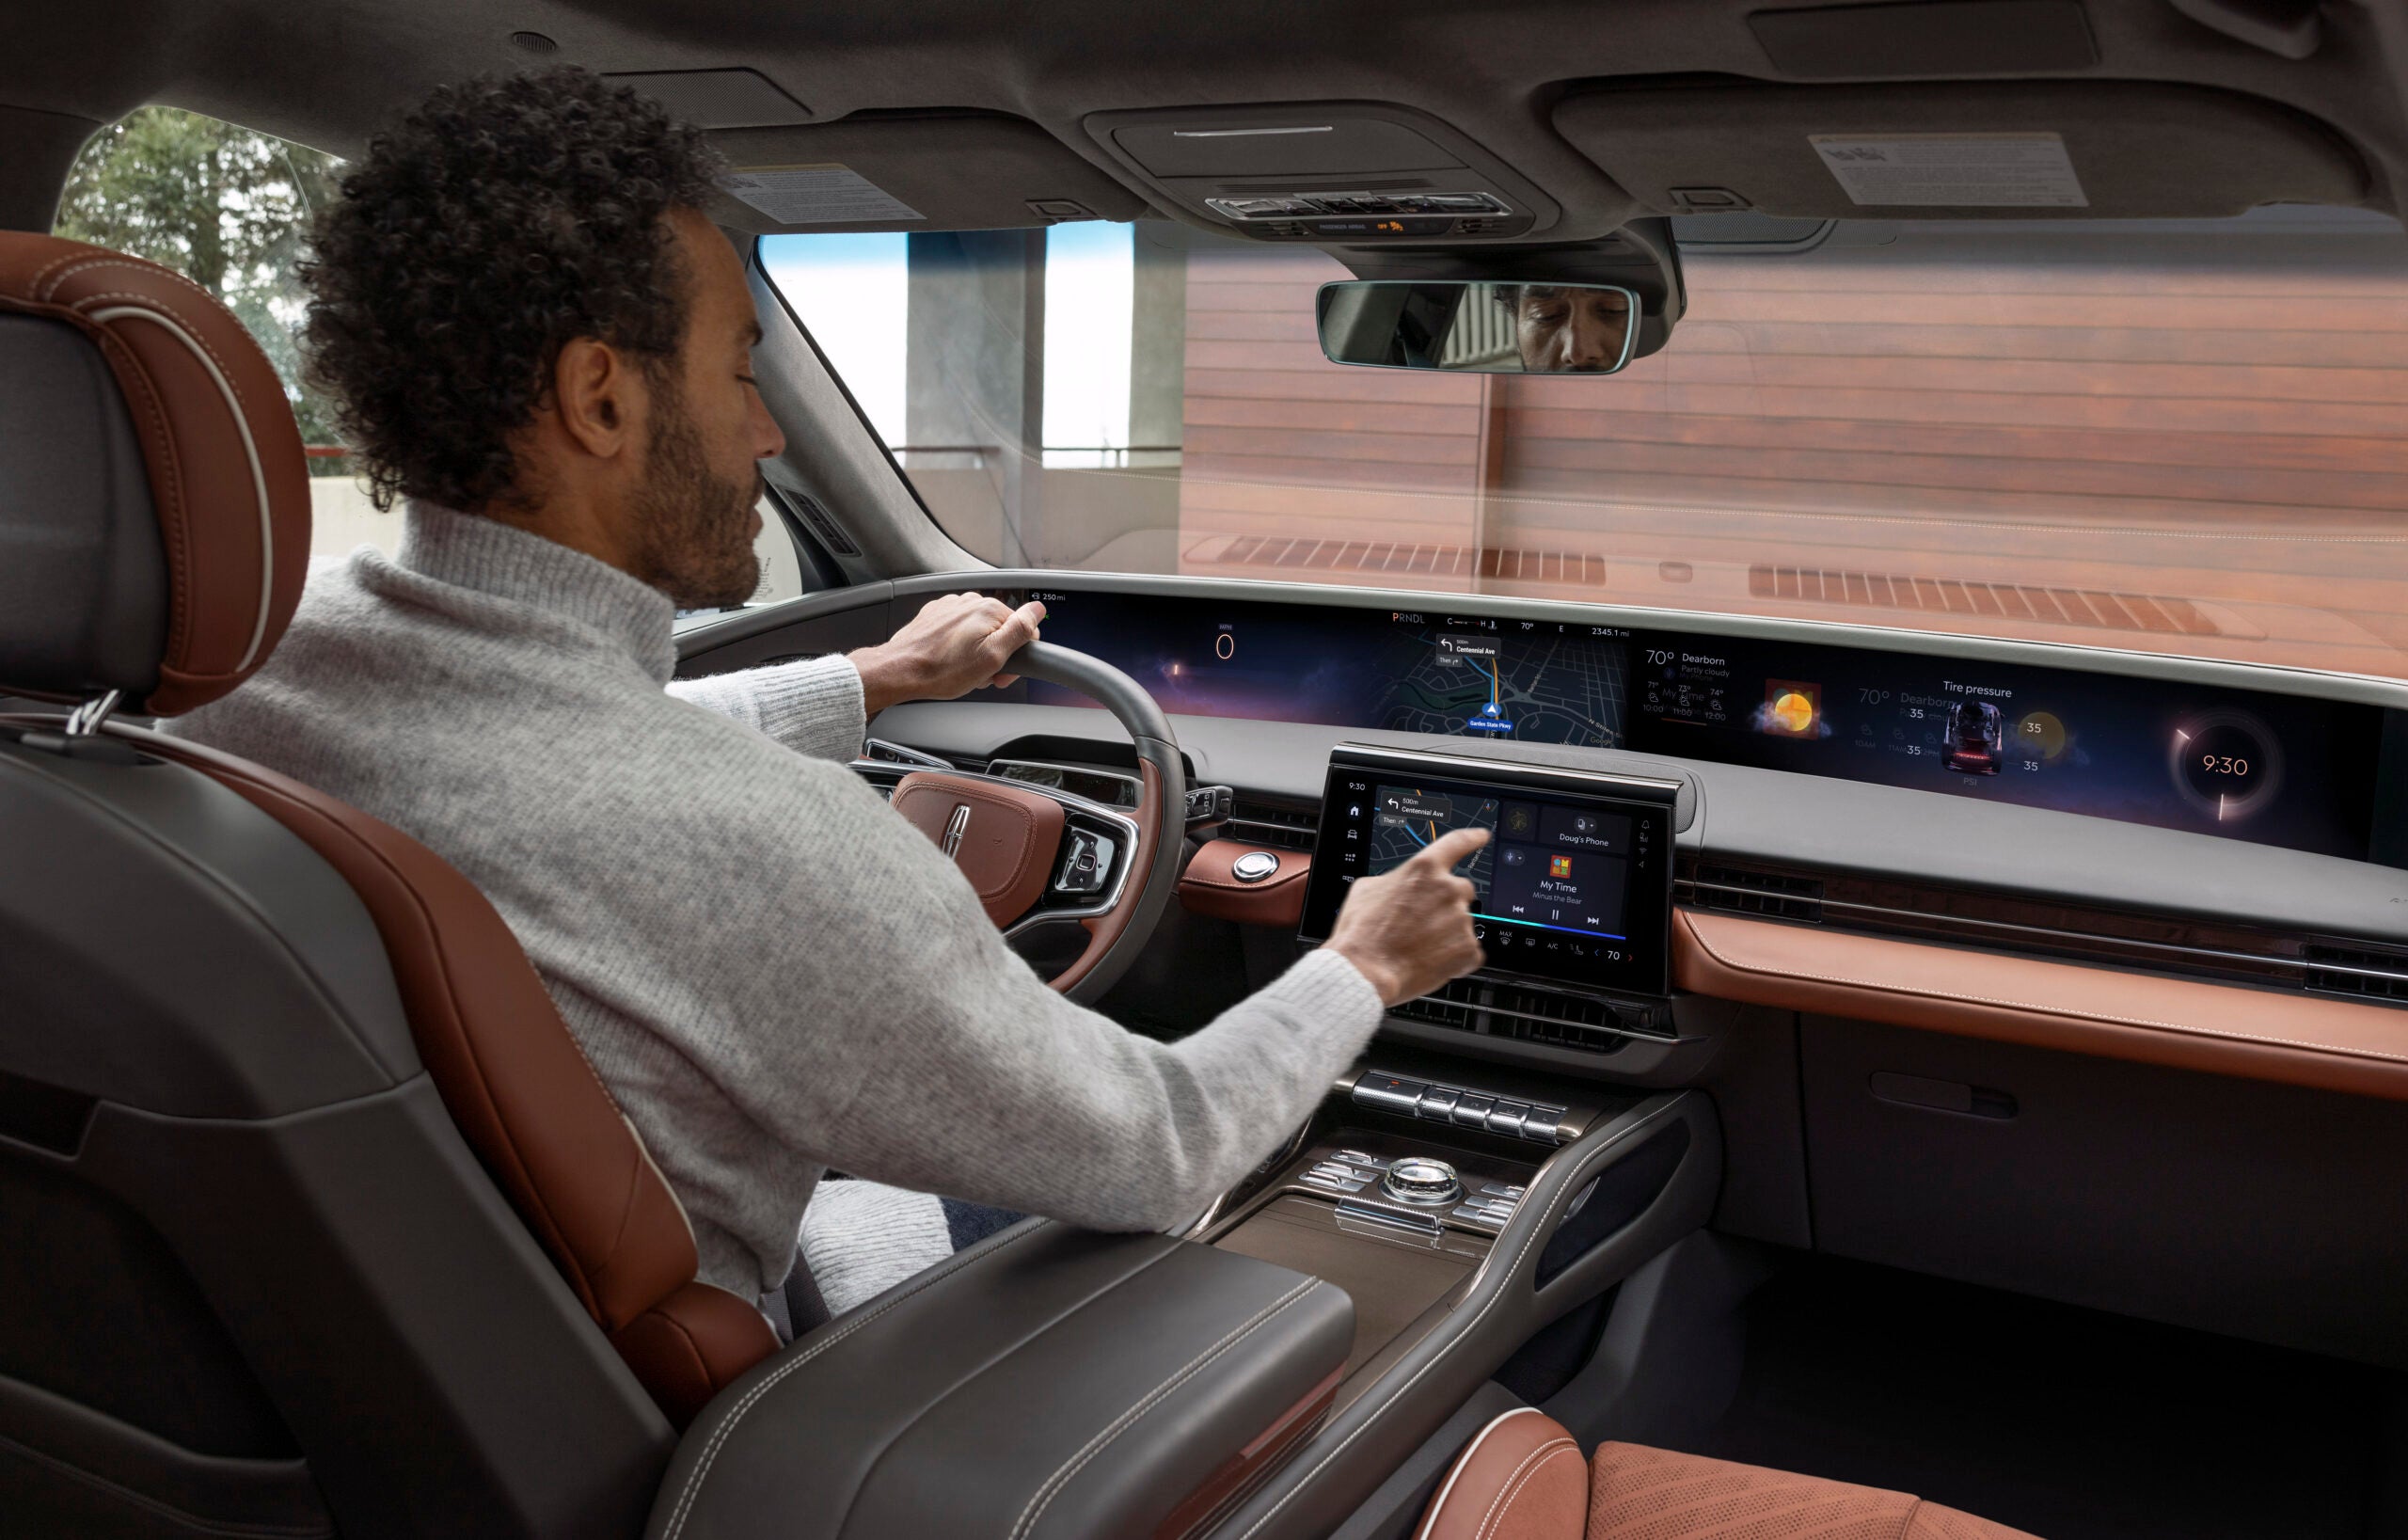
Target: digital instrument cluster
{"x":2278,"y":770}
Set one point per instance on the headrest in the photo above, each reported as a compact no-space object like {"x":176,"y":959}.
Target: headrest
{"x":154,"y":502}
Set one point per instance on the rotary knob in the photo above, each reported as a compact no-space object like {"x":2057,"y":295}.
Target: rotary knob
{"x":1423,"y":1181}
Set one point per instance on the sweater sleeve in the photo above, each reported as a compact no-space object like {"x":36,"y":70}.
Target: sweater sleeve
{"x":814,"y":706}
{"x":865,"y":1013}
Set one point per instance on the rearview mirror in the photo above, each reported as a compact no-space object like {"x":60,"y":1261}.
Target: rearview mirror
{"x":1479,"y":328}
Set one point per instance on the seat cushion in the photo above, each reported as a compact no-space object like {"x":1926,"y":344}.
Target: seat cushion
{"x":1522,"y":1477}
{"x":1638,"y":1493}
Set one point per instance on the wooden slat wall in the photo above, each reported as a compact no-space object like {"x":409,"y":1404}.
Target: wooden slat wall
{"x":2235,"y":436}
{"x":1280,"y":442}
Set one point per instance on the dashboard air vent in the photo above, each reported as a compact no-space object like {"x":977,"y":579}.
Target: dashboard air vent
{"x":1522,"y":1014}
{"x":2348,"y":970}
{"x":1278,"y":824}
{"x":1969,"y":596}
{"x":1745,"y":892}
{"x":1407,"y":558}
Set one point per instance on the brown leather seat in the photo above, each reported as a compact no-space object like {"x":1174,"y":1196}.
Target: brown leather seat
{"x":228,"y":485}
{"x":1523,"y":1479}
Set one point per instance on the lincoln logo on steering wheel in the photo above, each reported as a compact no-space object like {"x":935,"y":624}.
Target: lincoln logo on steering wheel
{"x":955,"y":827}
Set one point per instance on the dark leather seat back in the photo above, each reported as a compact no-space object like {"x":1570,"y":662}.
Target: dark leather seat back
{"x":312,"y":1204}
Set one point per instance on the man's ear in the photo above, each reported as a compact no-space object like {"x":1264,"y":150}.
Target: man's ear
{"x":599,"y":397}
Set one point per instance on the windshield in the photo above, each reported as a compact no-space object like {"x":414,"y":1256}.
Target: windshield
{"x":2182,"y":435}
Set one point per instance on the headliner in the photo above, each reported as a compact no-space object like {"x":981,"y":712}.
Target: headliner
{"x":325,"y":73}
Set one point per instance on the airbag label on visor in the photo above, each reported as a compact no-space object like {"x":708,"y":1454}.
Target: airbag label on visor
{"x":1953,"y":170}
{"x":816,"y":195}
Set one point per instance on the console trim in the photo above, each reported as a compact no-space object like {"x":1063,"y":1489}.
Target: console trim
{"x":2322,"y":1041}
{"x":1682,"y":1206}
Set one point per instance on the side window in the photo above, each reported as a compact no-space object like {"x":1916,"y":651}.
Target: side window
{"x":230,"y":209}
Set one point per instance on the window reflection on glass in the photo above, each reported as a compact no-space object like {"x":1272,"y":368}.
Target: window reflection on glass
{"x":2182,"y":435}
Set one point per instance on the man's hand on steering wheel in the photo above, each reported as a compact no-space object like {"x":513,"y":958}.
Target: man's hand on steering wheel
{"x":955,"y":644}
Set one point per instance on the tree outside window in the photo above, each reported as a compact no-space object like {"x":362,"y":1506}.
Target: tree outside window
{"x":228,"y":208}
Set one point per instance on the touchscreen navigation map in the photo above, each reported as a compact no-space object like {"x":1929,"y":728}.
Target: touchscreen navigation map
{"x":1546,"y":867}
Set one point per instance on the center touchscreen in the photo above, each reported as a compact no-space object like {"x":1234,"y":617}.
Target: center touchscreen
{"x":1574,"y":886}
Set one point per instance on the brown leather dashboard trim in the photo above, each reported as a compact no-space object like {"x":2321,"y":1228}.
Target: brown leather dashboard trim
{"x":2184,"y":1024}
{"x":1207,"y":886}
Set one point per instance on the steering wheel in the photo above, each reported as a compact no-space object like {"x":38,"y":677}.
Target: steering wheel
{"x":1038,"y":854}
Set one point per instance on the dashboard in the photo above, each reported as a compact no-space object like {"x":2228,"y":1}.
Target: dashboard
{"x":2278,"y":770}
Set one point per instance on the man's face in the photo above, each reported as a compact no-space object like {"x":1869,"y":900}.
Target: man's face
{"x":1570,"y":331}
{"x":695,"y":506}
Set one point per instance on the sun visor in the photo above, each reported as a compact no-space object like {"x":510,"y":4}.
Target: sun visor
{"x":910,"y":172}
{"x":2090,"y":149}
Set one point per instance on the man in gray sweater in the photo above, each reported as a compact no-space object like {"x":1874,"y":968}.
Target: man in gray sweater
{"x":539,"y":341}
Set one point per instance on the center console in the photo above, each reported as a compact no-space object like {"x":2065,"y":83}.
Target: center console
{"x":1462,"y":1203}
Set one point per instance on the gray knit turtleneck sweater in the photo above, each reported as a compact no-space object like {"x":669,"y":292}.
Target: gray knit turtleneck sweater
{"x":772,"y":971}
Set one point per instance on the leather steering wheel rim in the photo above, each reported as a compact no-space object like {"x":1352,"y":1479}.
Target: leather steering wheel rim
{"x":1162,"y":828}
{"x":1116,"y":933}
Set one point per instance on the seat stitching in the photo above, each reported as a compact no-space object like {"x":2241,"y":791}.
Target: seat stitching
{"x":720,"y":1435}
{"x":1430,"y":1515}
{"x":2060,"y":1013}
{"x":111,"y":259}
{"x":189,"y":325}
{"x":1372,"y":1414}
{"x":33,"y":284}
{"x":1523,"y":1475}
{"x":176,"y":527}
{"x":1104,"y":1439}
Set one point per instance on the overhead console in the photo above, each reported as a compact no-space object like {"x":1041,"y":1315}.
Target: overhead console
{"x":1324,"y":171}
{"x":2078,"y":148}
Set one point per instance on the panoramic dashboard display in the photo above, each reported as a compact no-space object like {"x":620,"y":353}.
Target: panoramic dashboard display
{"x":2278,"y":770}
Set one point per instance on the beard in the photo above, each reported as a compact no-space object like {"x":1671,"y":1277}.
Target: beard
{"x":697,"y":523}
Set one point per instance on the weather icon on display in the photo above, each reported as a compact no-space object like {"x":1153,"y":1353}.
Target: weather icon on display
{"x":1791,"y":709}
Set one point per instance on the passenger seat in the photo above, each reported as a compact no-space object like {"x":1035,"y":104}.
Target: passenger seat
{"x":1523,"y":1479}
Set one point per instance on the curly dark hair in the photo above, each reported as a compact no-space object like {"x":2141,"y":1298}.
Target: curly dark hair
{"x":499,"y":221}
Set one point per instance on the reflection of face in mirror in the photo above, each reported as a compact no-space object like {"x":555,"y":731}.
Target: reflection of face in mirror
{"x":1566,"y":331}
